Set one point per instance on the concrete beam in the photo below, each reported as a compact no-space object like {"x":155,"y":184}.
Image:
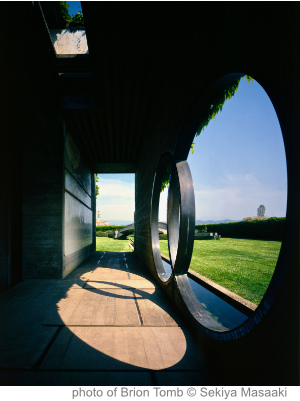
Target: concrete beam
{"x":115,"y":168}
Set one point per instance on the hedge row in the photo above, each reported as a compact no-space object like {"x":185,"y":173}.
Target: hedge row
{"x":101,"y":234}
{"x":269,"y":229}
{"x":108,"y":228}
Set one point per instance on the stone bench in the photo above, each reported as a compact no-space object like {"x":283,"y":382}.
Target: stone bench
{"x":206,"y":236}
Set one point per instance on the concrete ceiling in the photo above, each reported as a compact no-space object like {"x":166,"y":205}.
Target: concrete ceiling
{"x":150,"y":63}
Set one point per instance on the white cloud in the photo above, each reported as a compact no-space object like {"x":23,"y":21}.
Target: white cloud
{"x":110,"y":187}
{"x":116,"y":199}
{"x":239,"y":197}
{"x":163,"y":203}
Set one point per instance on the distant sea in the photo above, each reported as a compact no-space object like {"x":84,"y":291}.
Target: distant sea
{"x":119,"y":222}
{"x":126,"y":222}
{"x":214,"y":221}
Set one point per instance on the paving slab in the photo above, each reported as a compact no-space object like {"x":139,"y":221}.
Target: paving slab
{"x":125,"y":348}
{"x":118,"y":284}
{"x":23,"y":312}
{"x":156,"y":310}
{"x":99,"y":307}
{"x":25,"y":351}
{"x":47,"y":378}
{"x":198,"y":378}
{"x":105,"y":274}
{"x":106,"y":323}
{"x":16,"y":377}
{"x":110,"y":379}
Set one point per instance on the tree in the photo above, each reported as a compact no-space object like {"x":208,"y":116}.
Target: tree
{"x":261,"y":211}
{"x":65,"y":10}
{"x":76,"y":19}
{"x":97,"y":186}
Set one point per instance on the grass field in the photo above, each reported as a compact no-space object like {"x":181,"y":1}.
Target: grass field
{"x":112,"y":245}
{"x":243,"y":266}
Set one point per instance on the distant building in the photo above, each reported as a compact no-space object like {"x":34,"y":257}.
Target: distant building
{"x":99,"y":222}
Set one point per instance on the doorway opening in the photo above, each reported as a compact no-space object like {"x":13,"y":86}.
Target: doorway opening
{"x":115,"y":205}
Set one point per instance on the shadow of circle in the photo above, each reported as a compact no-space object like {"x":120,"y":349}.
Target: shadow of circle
{"x":127,"y":346}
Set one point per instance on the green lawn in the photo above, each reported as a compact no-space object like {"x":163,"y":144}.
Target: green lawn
{"x":112,"y":245}
{"x":243,"y":266}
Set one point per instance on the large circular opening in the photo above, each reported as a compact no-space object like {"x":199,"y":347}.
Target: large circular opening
{"x":238,"y":166}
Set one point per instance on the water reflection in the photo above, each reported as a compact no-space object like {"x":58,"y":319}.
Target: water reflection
{"x":217,"y":308}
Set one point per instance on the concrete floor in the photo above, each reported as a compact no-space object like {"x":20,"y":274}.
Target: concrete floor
{"x":107,"y":323}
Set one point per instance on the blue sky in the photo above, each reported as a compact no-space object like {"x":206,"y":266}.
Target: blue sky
{"x":116,"y":199}
{"x":74,"y":7}
{"x":238,"y":164}
{"x":239,"y":160}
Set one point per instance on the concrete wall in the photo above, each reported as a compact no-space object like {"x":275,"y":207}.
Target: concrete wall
{"x":30,"y":153}
{"x":4,"y":210}
{"x":78,"y":207}
{"x":32,"y":156}
{"x":69,"y":42}
{"x":268,"y":354}
{"x":42,"y":209}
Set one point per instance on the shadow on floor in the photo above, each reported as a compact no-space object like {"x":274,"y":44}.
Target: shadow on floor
{"x":107,"y":323}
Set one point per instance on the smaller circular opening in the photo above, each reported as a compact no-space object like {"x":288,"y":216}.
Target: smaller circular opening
{"x":173,"y":217}
{"x":159,"y":223}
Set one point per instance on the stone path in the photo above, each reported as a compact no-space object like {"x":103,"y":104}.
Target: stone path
{"x":107,"y":323}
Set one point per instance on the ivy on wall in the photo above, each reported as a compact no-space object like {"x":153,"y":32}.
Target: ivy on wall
{"x":76,"y":19}
{"x":219,"y":102}
{"x":214,"y":109}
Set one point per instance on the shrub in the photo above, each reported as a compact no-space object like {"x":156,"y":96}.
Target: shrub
{"x":202,"y":230}
{"x":101,"y":234}
{"x":108,"y":228}
{"x":163,"y":236}
{"x":130,"y":232}
{"x":254,"y":218}
{"x":272,"y":228}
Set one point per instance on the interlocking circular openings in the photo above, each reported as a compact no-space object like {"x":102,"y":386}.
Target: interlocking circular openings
{"x":181,"y":225}
{"x":181,"y":229}
{"x":181,"y":217}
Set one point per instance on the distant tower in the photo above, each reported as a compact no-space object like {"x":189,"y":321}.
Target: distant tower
{"x":99,"y":222}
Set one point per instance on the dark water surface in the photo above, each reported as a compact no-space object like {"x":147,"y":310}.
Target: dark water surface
{"x":216,"y":307}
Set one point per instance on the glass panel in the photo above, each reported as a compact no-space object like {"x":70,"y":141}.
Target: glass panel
{"x":72,"y":186}
{"x":78,"y":225}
